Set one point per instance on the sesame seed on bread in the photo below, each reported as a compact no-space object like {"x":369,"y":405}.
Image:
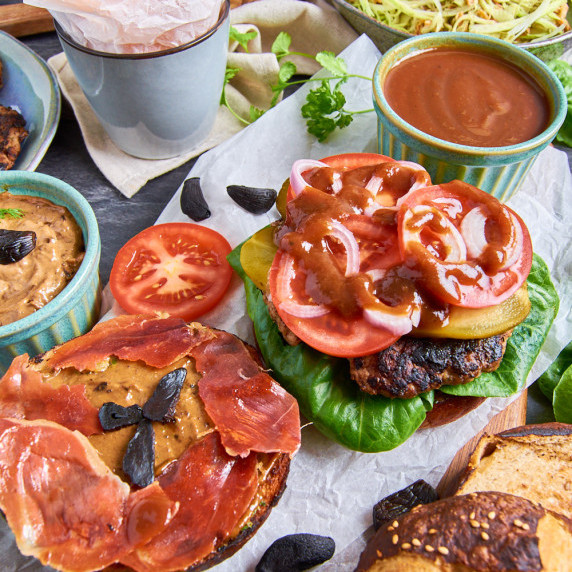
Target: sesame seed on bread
{"x":490,"y":531}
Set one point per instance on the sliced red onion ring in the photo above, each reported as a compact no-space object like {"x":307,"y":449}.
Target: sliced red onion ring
{"x":422,"y":179}
{"x":349,"y":242}
{"x":450,"y":236}
{"x":297,"y":181}
{"x":473,"y":232}
{"x":514,"y":249}
{"x":303,"y":310}
{"x":394,"y":323}
{"x":376,"y":274}
{"x":450,"y":206}
{"x":374,"y":184}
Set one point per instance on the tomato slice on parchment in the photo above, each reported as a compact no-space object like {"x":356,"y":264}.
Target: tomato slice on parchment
{"x":175,"y":268}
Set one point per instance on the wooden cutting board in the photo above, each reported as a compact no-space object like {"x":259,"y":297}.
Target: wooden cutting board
{"x":513,"y":416}
{"x":23,"y":20}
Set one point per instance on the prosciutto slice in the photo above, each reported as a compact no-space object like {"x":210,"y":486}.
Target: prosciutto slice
{"x":156,"y":341}
{"x":214,"y":491}
{"x":24,"y":395}
{"x":65,"y":506}
{"x":250,"y":410}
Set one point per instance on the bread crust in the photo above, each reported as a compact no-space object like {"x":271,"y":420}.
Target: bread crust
{"x":480,"y":531}
{"x":531,"y":461}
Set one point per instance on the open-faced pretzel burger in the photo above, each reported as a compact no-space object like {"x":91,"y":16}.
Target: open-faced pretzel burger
{"x":378,"y":295}
{"x":148,"y":442}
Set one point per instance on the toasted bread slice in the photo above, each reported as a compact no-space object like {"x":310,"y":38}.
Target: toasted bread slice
{"x":533,"y":461}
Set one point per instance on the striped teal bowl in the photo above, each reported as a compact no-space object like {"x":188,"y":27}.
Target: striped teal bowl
{"x":76,"y":308}
{"x":497,"y":170}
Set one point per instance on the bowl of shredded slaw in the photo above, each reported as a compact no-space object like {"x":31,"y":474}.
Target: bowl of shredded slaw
{"x":527,"y":23}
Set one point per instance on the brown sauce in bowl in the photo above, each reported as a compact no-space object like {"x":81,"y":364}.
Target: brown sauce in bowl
{"x":467,"y":97}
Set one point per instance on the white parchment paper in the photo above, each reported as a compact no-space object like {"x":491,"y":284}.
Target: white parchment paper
{"x":331,"y":490}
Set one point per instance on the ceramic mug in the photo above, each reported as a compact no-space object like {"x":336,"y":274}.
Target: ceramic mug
{"x":155,"y":105}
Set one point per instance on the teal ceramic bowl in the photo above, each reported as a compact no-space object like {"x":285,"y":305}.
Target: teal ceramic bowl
{"x":497,"y":170}
{"x":76,"y":308}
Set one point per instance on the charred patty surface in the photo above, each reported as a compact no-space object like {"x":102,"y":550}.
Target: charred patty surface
{"x":415,"y":365}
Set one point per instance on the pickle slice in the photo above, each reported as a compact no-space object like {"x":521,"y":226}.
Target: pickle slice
{"x":256,"y":256}
{"x":475,"y":323}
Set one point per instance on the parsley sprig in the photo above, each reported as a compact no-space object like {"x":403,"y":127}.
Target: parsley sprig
{"x":324,"y":109}
{"x":12,"y":213}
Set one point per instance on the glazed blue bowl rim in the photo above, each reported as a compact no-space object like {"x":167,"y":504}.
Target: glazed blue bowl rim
{"x":64,"y":36}
{"x":56,"y":308}
{"x":436,"y":145}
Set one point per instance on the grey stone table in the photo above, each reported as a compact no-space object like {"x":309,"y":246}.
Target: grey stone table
{"x":120,"y":218}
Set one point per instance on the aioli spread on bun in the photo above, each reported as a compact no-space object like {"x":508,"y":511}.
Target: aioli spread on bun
{"x":378,"y":288}
{"x":148,"y":442}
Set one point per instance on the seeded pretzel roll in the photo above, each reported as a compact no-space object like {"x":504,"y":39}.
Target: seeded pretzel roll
{"x":533,"y":461}
{"x":481,"y":531}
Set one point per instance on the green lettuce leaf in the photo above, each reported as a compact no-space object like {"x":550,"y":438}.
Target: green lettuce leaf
{"x":562,"y":402}
{"x":524,"y":345}
{"x":335,"y":404}
{"x":548,"y":381}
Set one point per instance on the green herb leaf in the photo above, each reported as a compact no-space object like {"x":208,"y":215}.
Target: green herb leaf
{"x":255,"y":113}
{"x":287,"y":70}
{"x":524,"y":345}
{"x":229,"y":73}
{"x":329,"y":61}
{"x":12,"y":213}
{"x":324,"y":110}
{"x":281,"y":45}
{"x":242,"y":37}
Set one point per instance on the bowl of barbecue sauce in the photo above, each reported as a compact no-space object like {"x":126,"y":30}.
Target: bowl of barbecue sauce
{"x":467,"y":107}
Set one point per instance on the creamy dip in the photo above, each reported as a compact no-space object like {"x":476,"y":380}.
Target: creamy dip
{"x":30,"y":283}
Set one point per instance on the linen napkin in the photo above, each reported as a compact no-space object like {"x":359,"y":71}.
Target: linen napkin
{"x":313,"y":27}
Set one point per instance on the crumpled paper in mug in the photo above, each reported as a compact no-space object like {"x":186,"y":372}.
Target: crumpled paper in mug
{"x":133,"y":26}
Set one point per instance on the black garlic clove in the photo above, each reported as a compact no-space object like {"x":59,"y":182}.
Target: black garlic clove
{"x":16,"y":244}
{"x":139,"y":459}
{"x":252,"y":199}
{"x":113,"y":416}
{"x":403,"y":501}
{"x":296,"y":552}
{"x":193,"y":202}
{"x":161,"y":405}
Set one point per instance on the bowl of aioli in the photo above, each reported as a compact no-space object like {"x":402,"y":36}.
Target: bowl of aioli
{"x":468,"y":107}
{"x":50,"y":309}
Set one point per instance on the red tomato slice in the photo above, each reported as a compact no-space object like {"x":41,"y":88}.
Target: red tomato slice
{"x":472,"y":250}
{"x":329,"y":333}
{"x":176,"y":268}
{"x":350,"y":161}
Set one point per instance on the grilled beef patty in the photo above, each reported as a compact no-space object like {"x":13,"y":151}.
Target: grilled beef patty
{"x":415,"y":365}
{"x":412,"y":366}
